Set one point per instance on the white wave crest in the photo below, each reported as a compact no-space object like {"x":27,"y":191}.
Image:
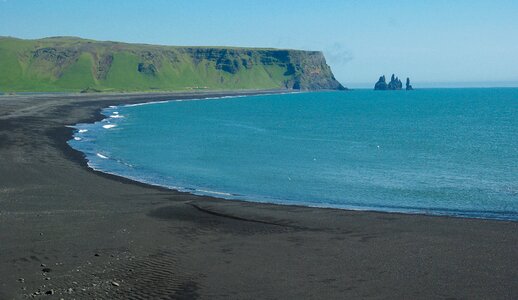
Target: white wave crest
{"x":207,"y":98}
{"x":147,"y":103}
{"x":214,"y":192}
{"x":83,"y":130}
{"x":101,"y":156}
{"x":108,"y":126}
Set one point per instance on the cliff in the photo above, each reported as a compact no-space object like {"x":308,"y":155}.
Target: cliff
{"x":74,"y":64}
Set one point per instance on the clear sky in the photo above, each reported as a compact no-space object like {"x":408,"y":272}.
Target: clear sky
{"x":430,"y":41}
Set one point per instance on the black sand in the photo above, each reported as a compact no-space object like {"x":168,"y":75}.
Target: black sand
{"x":82,"y":234}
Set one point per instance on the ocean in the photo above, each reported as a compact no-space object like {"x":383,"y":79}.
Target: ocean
{"x":429,"y":151}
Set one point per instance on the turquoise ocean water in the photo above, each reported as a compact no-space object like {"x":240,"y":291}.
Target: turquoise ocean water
{"x":434,"y":151}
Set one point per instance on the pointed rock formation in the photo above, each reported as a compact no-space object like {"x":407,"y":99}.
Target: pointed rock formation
{"x":381,"y":84}
{"x":408,"y":85}
{"x":394,"y":84}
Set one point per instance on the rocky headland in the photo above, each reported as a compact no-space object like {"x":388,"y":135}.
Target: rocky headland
{"x":73,"y":64}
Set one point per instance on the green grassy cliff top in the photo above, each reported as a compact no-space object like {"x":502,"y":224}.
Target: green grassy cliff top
{"x":74,"y":64}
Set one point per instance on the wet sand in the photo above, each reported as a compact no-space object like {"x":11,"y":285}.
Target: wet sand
{"x":82,"y":234}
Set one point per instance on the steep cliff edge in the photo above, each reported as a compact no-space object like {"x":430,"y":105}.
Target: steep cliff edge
{"x":74,"y":64}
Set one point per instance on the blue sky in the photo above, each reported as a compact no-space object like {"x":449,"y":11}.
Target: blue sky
{"x":430,"y":41}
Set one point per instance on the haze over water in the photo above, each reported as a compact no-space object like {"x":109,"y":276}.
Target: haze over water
{"x":434,"y":151}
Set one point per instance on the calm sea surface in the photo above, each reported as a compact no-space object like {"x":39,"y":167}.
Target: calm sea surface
{"x":433,"y":151}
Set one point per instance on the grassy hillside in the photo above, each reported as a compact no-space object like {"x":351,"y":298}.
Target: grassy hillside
{"x":74,"y":64}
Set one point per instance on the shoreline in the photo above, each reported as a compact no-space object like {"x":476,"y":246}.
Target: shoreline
{"x":93,"y":229}
{"x":99,"y":116}
{"x":448,"y":213}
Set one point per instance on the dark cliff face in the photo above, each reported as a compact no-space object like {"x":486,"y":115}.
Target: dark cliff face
{"x":312,"y":72}
{"x":302,"y":70}
{"x":305,"y":70}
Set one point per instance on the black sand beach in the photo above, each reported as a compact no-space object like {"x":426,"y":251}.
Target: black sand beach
{"x":75,"y":233}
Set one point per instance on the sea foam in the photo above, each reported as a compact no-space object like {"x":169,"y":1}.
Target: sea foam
{"x":102,"y":156}
{"x":214,"y":192}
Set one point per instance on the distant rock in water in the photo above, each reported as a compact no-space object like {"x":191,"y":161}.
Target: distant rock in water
{"x":381,"y":84}
{"x":408,"y":85}
{"x":394,"y":84}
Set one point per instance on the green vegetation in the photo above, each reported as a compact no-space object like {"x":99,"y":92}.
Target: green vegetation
{"x":73,"y":65}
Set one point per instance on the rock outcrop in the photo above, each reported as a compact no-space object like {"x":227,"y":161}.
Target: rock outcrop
{"x":381,"y":84}
{"x":408,"y":85}
{"x":394,"y":84}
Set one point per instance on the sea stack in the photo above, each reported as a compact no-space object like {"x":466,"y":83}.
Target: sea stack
{"x":408,"y":85}
{"x":394,"y":84}
{"x":381,"y":84}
